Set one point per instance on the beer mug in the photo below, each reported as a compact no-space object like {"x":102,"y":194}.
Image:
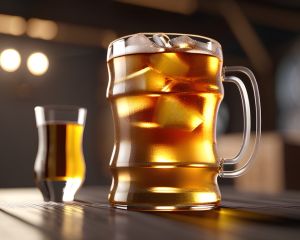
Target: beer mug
{"x":165,"y":91}
{"x":59,"y":168}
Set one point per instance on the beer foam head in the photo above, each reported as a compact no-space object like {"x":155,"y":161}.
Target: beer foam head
{"x":160,"y":42}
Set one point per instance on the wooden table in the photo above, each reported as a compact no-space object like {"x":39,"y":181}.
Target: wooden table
{"x":23,"y":215}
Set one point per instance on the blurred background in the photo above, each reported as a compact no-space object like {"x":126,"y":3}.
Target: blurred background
{"x":55,"y":53}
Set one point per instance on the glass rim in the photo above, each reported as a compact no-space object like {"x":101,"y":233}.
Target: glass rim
{"x":60,"y":114}
{"x":61,"y":107}
{"x":168,"y":34}
{"x":203,"y":45}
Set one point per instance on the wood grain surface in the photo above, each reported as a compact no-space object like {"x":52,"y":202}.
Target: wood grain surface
{"x":23,"y":215}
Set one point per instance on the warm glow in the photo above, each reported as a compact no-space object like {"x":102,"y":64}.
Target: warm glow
{"x":164,"y":208}
{"x":169,"y":63}
{"x":201,"y":208}
{"x":204,"y":149}
{"x":13,"y":25}
{"x":145,"y":124}
{"x":135,"y":74}
{"x":10,"y":60}
{"x":171,"y":112}
{"x":145,"y":79}
{"x":209,"y":110}
{"x":213,"y":87}
{"x":76,"y":167}
{"x":213,"y":64}
{"x":38,"y":63}
{"x":195,"y":121}
{"x":165,"y":190}
{"x":197,"y":165}
{"x":162,"y":154}
{"x":205,"y":197}
{"x":164,"y":166}
{"x":184,"y":45}
{"x":124,"y":177}
{"x":44,"y":29}
{"x":131,"y":105}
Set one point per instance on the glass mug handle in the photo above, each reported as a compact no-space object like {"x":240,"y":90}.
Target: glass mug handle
{"x":247,"y":122}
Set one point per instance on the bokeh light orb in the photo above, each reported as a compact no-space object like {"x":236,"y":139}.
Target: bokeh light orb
{"x":10,"y":60}
{"x":37,"y":63}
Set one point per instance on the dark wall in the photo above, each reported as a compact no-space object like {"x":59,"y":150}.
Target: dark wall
{"x":73,"y":78}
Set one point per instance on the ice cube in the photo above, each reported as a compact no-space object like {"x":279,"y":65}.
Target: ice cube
{"x":163,"y":154}
{"x":126,"y":65}
{"x":153,"y":80}
{"x":127,"y":106}
{"x":208,"y":48}
{"x":162,"y":40}
{"x":178,"y":86}
{"x":146,"y":79}
{"x":183,"y":42}
{"x":139,"y":39}
{"x":171,"y":112}
{"x":139,"y":43}
{"x":169,"y":64}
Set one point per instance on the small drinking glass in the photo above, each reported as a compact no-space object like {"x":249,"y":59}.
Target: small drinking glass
{"x":59,"y":167}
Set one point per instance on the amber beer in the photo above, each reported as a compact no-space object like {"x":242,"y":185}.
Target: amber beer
{"x":59,"y":168}
{"x":164,"y":107}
